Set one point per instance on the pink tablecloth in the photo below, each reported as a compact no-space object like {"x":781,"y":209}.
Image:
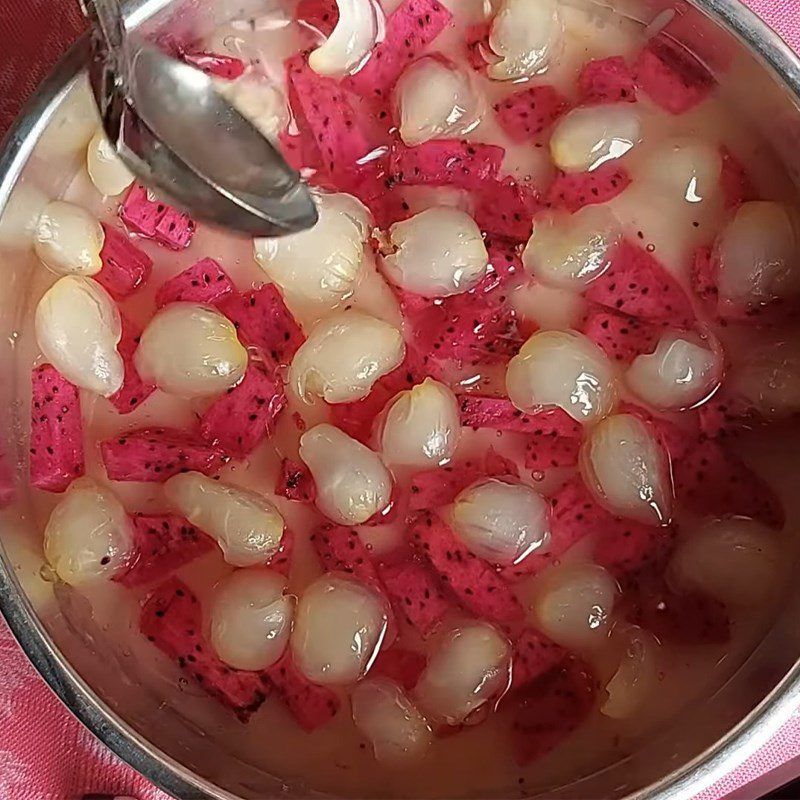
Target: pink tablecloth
{"x":45,"y":754}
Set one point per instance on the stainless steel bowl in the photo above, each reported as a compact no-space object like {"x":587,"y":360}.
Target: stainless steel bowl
{"x":88,"y":669}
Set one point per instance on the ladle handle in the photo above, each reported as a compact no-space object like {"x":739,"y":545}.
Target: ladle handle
{"x":105,"y":18}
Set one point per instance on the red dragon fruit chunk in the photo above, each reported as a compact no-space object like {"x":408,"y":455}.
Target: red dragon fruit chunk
{"x":729,"y":412}
{"x":525,"y":114}
{"x":471,"y":328}
{"x":625,"y":547}
{"x":497,"y":413}
{"x":56,"y":445}
{"x":693,"y":618}
{"x":550,"y":709}
{"x":621,"y":545}
{"x":704,"y":278}
{"x":296,"y":482}
{"x":477,"y":46}
{"x":162,"y":544}
{"x":416,"y":594}
{"x":141,"y":212}
{"x":343,"y":135}
{"x":573,"y":515}
{"x":125,"y":266}
{"x":573,"y":191}
{"x":172,"y":619}
{"x":712,"y":481}
{"x":534,"y":655}
{"x":671,"y":76}
{"x":607,"y":80}
{"x":621,"y":337}
{"x":299,"y":150}
{"x":246,"y":414}
{"x":477,"y":585}
{"x":505,"y":265}
{"x":506,"y":208}
{"x":412,"y":26}
{"x":498,"y":466}
{"x":175,"y":229}
{"x":219,"y":66}
{"x":404,"y":667}
{"x":281,"y":559}
{"x":134,"y":391}
{"x":434,"y":488}
{"x":203,"y":282}
{"x":548,"y":450}
{"x":638,"y":285}
{"x":263,"y":321}
{"x":156,"y":454}
{"x":321,"y":15}
{"x":312,"y":706}
{"x":388,"y":207}
{"x":737,"y":188}
{"x":446,"y":162}
{"x":340,"y":549}
{"x":154,"y":219}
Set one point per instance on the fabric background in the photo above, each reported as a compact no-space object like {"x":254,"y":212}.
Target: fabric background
{"x":45,"y":754}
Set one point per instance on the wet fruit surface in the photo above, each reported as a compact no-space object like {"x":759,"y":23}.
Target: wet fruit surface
{"x":474,"y":485}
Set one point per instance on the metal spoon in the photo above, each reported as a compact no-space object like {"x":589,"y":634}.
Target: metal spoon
{"x":177,"y":134}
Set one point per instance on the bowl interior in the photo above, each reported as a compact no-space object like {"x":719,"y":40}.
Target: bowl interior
{"x":174,"y":736}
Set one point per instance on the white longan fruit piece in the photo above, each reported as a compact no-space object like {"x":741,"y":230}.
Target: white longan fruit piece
{"x":351,"y":480}
{"x":344,"y":355}
{"x":191,"y":350}
{"x":636,"y":677}
{"x":435,"y":100}
{"x":627,"y":469}
{"x":422,"y":426}
{"x":88,"y":537}
{"x":573,"y":605}
{"x":258,"y":100}
{"x":68,"y":239}
{"x":758,"y":253}
{"x":679,"y":373}
{"x":78,"y":328}
{"x":251,"y":618}
{"x":324,"y":264}
{"x":563,"y":369}
{"x":470,"y":667}
{"x":569,"y":251}
{"x":502,"y":522}
{"x":359,"y":27}
{"x":685,"y":169}
{"x":395,"y":728}
{"x":736,"y":560}
{"x":590,"y":136}
{"x":526,"y":36}
{"x":339,"y":627}
{"x":246,"y":526}
{"x":438,"y":252}
{"x":106,"y":169}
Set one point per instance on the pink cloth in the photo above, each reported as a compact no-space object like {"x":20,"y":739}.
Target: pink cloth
{"x":45,"y":754}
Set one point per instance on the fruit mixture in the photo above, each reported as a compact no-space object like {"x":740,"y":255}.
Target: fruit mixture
{"x":465,"y":474}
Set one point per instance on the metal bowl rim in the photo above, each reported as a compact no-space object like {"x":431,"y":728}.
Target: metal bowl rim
{"x":167,"y":774}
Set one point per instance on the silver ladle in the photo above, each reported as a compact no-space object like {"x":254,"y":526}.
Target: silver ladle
{"x":178,"y":135}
